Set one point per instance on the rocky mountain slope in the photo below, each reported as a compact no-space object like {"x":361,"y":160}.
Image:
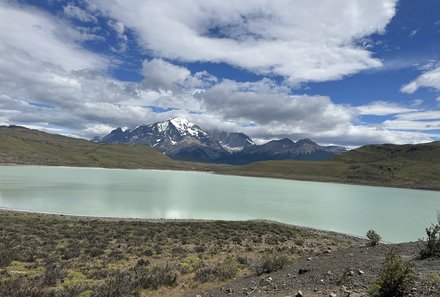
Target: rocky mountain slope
{"x":233,"y":141}
{"x":178,"y":138}
{"x":283,"y":149}
{"x":183,"y":140}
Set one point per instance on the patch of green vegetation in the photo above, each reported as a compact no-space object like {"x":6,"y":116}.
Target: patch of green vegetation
{"x":20,"y":145}
{"x":410,"y":166}
{"x":396,"y":277}
{"x":73,"y":256}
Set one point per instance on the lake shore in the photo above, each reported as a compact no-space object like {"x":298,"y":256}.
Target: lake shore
{"x":44,"y":254}
{"x":235,"y":171}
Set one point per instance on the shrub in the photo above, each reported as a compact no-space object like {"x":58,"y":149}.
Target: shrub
{"x":396,"y":277}
{"x":205,"y":274}
{"x":224,"y":271}
{"x":432,"y":243}
{"x":373,"y":237}
{"x":228,"y":269}
{"x":270,"y":262}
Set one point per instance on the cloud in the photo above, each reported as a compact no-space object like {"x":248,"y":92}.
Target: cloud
{"x":429,"y":79}
{"x":299,"y":40}
{"x":382,"y":108}
{"x":413,"y":33}
{"x":42,"y":38}
{"x":122,"y":38}
{"x":49,"y":81}
{"x":78,"y":13}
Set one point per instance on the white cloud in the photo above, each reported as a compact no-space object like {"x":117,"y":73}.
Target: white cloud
{"x":421,"y":115}
{"x":42,"y":38}
{"x":412,"y":125}
{"x":413,"y":33}
{"x":76,"y":12}
{"x":120,"y":30}
{"x":382,"y":108}
{"x":429,"y":79}
{"x":47,"y":65}
{"x":300,"y":40}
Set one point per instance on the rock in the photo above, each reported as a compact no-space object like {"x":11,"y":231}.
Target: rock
{"x":266,"y":281}
{"x":229,"y":291}
{"x":303,"y":270}
{"x":329,"y":273}
{"x":309,"y":259}
{"x":345,"y":290}
{"x":332,"y":295}
{"x":354,"y":294}
{"x":350,"y":273}
{"x":361,"y":272}
{"x":299,"y":294}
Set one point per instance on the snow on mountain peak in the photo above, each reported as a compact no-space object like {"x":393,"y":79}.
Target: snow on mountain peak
{"x":184,"y":126}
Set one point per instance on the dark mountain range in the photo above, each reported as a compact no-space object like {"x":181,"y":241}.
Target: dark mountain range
{"x":183,"y":140}
{"x":283,"y":149}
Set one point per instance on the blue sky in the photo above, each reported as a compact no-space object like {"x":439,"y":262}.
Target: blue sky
{"x":342,"y":72}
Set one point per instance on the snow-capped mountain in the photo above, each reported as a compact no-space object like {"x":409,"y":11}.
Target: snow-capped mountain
{"x":177,"y":137}
{"x":233,"y":141}
{"x":183,"y":140}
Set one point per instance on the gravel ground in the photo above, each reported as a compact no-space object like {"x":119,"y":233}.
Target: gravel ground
{"x":348,"y":272}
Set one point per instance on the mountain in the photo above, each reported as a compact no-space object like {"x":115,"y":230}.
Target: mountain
{"x":233,"y":141}
{"x":283,"y":149}
{"x":183,"y":140}
{"x":176,"y":137}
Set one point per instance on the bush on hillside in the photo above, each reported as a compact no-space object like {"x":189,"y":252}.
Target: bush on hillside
{"x":270,"y":262}
{"x":396,"y":277}
{"x":431,"y":247}
{"x":373,"y":237}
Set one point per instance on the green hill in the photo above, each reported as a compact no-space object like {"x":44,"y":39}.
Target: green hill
{"x":409,"y":166}
{"x":20,"y":145}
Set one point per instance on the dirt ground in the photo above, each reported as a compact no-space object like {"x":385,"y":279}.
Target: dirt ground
{"x":347,"y":272}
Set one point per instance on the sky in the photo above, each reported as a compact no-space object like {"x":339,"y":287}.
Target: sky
{"x":345,"y":72}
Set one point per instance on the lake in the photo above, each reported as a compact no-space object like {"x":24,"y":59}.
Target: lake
{"x":396,"y":214}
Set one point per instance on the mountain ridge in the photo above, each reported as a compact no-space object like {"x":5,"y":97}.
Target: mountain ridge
{"x":180,"y":139}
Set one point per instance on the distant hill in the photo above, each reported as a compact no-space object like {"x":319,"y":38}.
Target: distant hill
{"x":19,"y":145}
{"x":410,"y":166}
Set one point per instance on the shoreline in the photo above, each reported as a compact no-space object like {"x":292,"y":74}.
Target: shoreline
{"x":165,"y":220}
{"x":249,"y":175}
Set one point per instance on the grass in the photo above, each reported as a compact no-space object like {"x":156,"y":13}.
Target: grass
{"x":71,"y":256}
{"x":20,"y":145}
{"x":407,"y":166}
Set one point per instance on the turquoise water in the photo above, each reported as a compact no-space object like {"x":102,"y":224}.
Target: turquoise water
{"x":397,"y":214}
